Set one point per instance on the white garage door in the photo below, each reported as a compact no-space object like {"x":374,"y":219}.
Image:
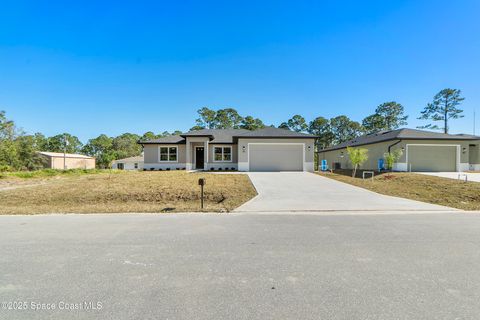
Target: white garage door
{"x":430,"y":158}
{"x":275,"y":157}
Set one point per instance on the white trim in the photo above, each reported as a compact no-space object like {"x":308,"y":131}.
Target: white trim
{"x":464,"y":167}
{"x":400,"y":166}
{"x":243,"y":166}
{"x":222,"y":146}
{"x":164,"y":166}
{"x":194,"y":164}
{"x":475,"y":167}
{"x":276,"y":143}
{"x":458,"y":152}
{"x":168,"y":153}
{"x":309,"y":166}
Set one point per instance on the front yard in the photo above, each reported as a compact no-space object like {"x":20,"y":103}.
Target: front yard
{"x":120,"y":191}
{"x":431,"y":189}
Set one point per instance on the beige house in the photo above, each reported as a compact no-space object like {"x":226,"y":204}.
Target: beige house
{"x":421,"y":151}
{"x":58,"y":160}
{"x":268,"y":149}
{"x":131,"y":163}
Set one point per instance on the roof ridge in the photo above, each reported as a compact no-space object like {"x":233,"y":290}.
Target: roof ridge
{"x":399,"y":134}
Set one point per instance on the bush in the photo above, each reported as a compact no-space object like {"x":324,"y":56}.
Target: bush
{"x":5,"y":168}
{"x":357,"y":157}
{"x":392,"y":157}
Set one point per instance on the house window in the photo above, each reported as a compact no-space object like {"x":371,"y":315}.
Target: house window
{"x":222,"y":154}
{"x":120,"y":166}
{"x":172,"y":154}
{"x":168,"y":154}
{"x":135,"y":165}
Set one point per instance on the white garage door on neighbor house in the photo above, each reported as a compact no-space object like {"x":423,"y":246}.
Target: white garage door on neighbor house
{"x":432,"y":158}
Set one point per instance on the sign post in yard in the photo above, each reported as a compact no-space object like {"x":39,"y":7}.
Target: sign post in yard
{"x":201,"y":183}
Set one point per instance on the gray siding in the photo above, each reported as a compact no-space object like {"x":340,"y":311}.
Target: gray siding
{"x":151,"y":152}
{"x":234,"y":153}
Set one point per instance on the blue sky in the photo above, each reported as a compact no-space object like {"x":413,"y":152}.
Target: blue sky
{"x":134,"y":66}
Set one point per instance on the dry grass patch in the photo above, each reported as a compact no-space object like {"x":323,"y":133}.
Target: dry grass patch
{"x":176,"y":191}
{"x":431,"y":189}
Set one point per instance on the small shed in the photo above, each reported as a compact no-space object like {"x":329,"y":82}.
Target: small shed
{"x":59,"y":160}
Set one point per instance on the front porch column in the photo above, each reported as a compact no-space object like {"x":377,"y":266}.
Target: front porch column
{"x":205,"y":155}
{"x":188,"y":150}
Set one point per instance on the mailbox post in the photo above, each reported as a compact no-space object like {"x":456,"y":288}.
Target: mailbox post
{"x":201,"y":183}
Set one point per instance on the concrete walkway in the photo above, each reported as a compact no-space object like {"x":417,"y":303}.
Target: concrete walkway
{"x":303,"y":191}
{"x":475,"y":177}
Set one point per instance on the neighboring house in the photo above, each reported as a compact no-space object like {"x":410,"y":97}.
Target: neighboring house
{"x":59,"y":160}
{"x":268,"y":149}
{"x":422,"y":151}
{"x":132,"y":163}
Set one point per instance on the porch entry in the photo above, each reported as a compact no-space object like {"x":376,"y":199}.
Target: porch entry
{"x":199,"y":158}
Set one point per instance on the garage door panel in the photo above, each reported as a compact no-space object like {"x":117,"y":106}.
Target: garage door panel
{"x":432,"y":158}
{"x":275,"y":157}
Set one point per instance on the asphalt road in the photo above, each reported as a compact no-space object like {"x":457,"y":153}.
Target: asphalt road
{"x":242,"y":266}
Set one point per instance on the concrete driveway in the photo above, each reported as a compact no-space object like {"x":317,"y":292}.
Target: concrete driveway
{"x":475,"y":177}
{"x":303,"y":191}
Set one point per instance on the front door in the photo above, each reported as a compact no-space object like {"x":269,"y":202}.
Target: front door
{"x":199,"y":158}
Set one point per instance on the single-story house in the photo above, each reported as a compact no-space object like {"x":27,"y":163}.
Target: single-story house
{"x":131,"y":163}
{"x":421,"y":151}
{"x":267,"y":149}
{"x":59,"y":160}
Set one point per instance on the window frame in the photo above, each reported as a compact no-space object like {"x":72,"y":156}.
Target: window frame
{"x":168,"y":153}
{"x":223,"y":153}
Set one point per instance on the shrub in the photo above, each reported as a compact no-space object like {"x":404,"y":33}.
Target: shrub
{"x":357,"y":156}
{"x":392,"y":157}
{"x":5,"y":168}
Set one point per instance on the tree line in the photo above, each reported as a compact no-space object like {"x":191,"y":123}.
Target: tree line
{"x":387,"y":116}
{"x":18,"y":150}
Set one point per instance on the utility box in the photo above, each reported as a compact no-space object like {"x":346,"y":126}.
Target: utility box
{"x":381,"y":164}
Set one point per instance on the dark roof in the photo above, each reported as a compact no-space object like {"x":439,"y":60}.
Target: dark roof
{"x":229,"y":135}
{"x":165,"y":140}
{"x":399,"y":134}
{"x":271,"y":132}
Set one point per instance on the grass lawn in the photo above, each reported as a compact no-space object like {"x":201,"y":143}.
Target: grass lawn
{"x":431,"y":189}
{"x":122,"y":191}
